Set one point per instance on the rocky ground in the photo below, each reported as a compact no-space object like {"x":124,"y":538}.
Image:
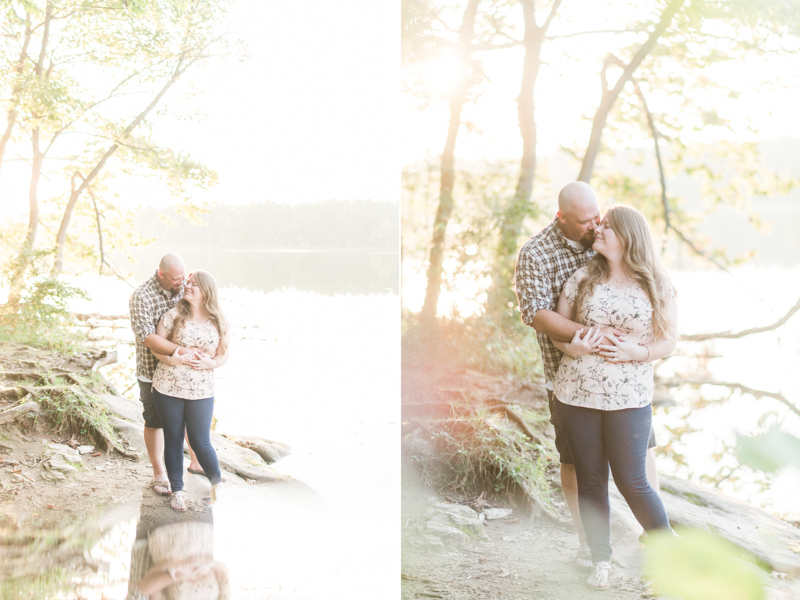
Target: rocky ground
{"x":61,"y":488}
{"x":453,"y":548}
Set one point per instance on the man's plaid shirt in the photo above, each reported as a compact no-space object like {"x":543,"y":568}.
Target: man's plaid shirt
{"x":148,"y":302}
{"x":545,"y":263}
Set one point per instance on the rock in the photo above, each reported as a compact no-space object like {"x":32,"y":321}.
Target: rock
{"x":130,"y":410}
{"x":270,"y":451}
{"x":242,"y":461}
{"x":59,"y":460}
{"x":438,"y":534}
{"x":770,"y":540}
{"x":450,"y":524}
{"x":85,"y":449}
{"x":132,"y":433}
{"x":497,"y":513}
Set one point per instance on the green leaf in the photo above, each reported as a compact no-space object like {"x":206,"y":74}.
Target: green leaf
{"x":769,"y":451}
{"x":699,"y":566}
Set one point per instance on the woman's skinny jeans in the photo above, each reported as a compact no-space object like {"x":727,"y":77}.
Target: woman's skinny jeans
{"x":193,"y":416}
{"x":597,"y":439}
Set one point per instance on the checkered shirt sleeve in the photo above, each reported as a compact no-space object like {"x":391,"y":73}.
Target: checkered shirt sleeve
{"x":146,"y":307}
{"x":545,"y":263}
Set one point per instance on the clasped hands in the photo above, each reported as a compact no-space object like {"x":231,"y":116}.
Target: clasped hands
{"x":194,"y":357}
{"x":596,"y":340}
{"x":191,"y":569}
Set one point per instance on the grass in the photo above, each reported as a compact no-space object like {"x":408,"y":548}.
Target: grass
{"x":72,"y":407}
{"x":474,"y":456}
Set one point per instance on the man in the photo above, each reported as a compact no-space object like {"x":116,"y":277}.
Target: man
{"x":545,"y":263}
{"x":147,"y":304}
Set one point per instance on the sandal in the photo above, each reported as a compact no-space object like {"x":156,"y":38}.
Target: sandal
{"x":583,"y":560}
{"x":599,"y":579}
{"x":161,"y":487}
{"x":177,"y":502}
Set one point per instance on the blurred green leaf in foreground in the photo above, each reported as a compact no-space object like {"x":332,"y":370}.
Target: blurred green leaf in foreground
{"x":700,"y":566}
{"x":769,"y":451}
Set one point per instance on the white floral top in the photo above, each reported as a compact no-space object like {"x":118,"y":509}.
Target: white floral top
{"x":590,"y":380}
{"x":182,"y":381}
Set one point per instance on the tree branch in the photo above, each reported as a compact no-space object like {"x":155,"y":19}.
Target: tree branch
{"x":701,"y":337}
{"x":757,"y":394}
{"x":569,"y":35}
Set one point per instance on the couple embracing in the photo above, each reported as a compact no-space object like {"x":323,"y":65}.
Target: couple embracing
{"x":603,"y":308}
{"x":181,"y":337}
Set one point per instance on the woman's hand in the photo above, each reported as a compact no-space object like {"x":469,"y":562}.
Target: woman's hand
{"x":622,"y":350}
{"x":202,"y":361}
{"x":183,"y":356}
{"x":585,"y":341}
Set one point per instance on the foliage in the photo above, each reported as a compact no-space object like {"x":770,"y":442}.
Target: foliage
{"x":475,"y":343}
{"x":79,"y":106}
{"x":42,"y":319}
{"x":699,"y":566}
{"x":769,"y":451}
{"x":481,"y":457}
{"x":73,"y":409}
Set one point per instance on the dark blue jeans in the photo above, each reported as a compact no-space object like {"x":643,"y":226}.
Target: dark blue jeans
{"x":193,"y":416}
{"x":597,"y":439}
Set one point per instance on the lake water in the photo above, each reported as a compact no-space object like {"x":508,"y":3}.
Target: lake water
{"x":319,"y":369}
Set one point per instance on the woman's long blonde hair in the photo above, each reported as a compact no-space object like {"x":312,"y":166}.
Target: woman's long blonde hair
{"x":208,"y":286}
{"x":638,"y":258}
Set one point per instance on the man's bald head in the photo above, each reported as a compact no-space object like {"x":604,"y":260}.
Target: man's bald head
{"x":575,"y":196}
{"x":578,"y":212}
{"x":171,"y":273}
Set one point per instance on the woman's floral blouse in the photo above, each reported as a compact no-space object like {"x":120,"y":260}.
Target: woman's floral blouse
{"x":590,"y":380}
{"x":182,"y":381}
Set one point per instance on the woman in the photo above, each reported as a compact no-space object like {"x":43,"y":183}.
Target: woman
{"x":183,"y":390}
{"x":604,"y":386}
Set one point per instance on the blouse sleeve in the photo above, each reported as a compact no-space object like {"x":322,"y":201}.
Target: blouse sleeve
{"x":168,"y":318}
{"x":571,"y":287}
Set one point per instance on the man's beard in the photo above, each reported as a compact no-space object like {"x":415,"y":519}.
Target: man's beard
{"x":588,"y":239}
{"x":176,"y":290}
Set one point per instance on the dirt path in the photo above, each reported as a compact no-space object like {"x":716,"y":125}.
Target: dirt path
{"x":524,"y":557}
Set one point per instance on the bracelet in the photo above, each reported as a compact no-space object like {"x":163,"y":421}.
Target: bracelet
{"x":648,"y":353}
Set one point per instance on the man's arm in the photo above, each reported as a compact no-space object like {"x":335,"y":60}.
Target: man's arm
{"x":555,"y":326}
{"x":161,"y":345}
{"x":533,"y":295}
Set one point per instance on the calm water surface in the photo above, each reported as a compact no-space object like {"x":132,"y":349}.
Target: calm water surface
{"x":319,"y":370}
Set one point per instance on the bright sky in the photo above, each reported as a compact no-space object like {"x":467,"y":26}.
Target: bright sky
{"x":568,"y":89}
{"x":309,"y":117}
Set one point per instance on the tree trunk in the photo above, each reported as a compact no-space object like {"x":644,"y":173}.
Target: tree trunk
{"x":457,"y":102}
{"x":25,"y":255}
{"x":16,"y":91}
{"x":513,"y":216}
{"x":76,"y":192}
{"x":609,"y":97}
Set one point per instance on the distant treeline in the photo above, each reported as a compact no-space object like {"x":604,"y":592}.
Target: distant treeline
{"x":330,"y":223}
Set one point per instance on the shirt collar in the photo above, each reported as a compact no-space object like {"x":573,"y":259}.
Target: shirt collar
{"x":157,"y":286}
{"x":563,"y":240}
